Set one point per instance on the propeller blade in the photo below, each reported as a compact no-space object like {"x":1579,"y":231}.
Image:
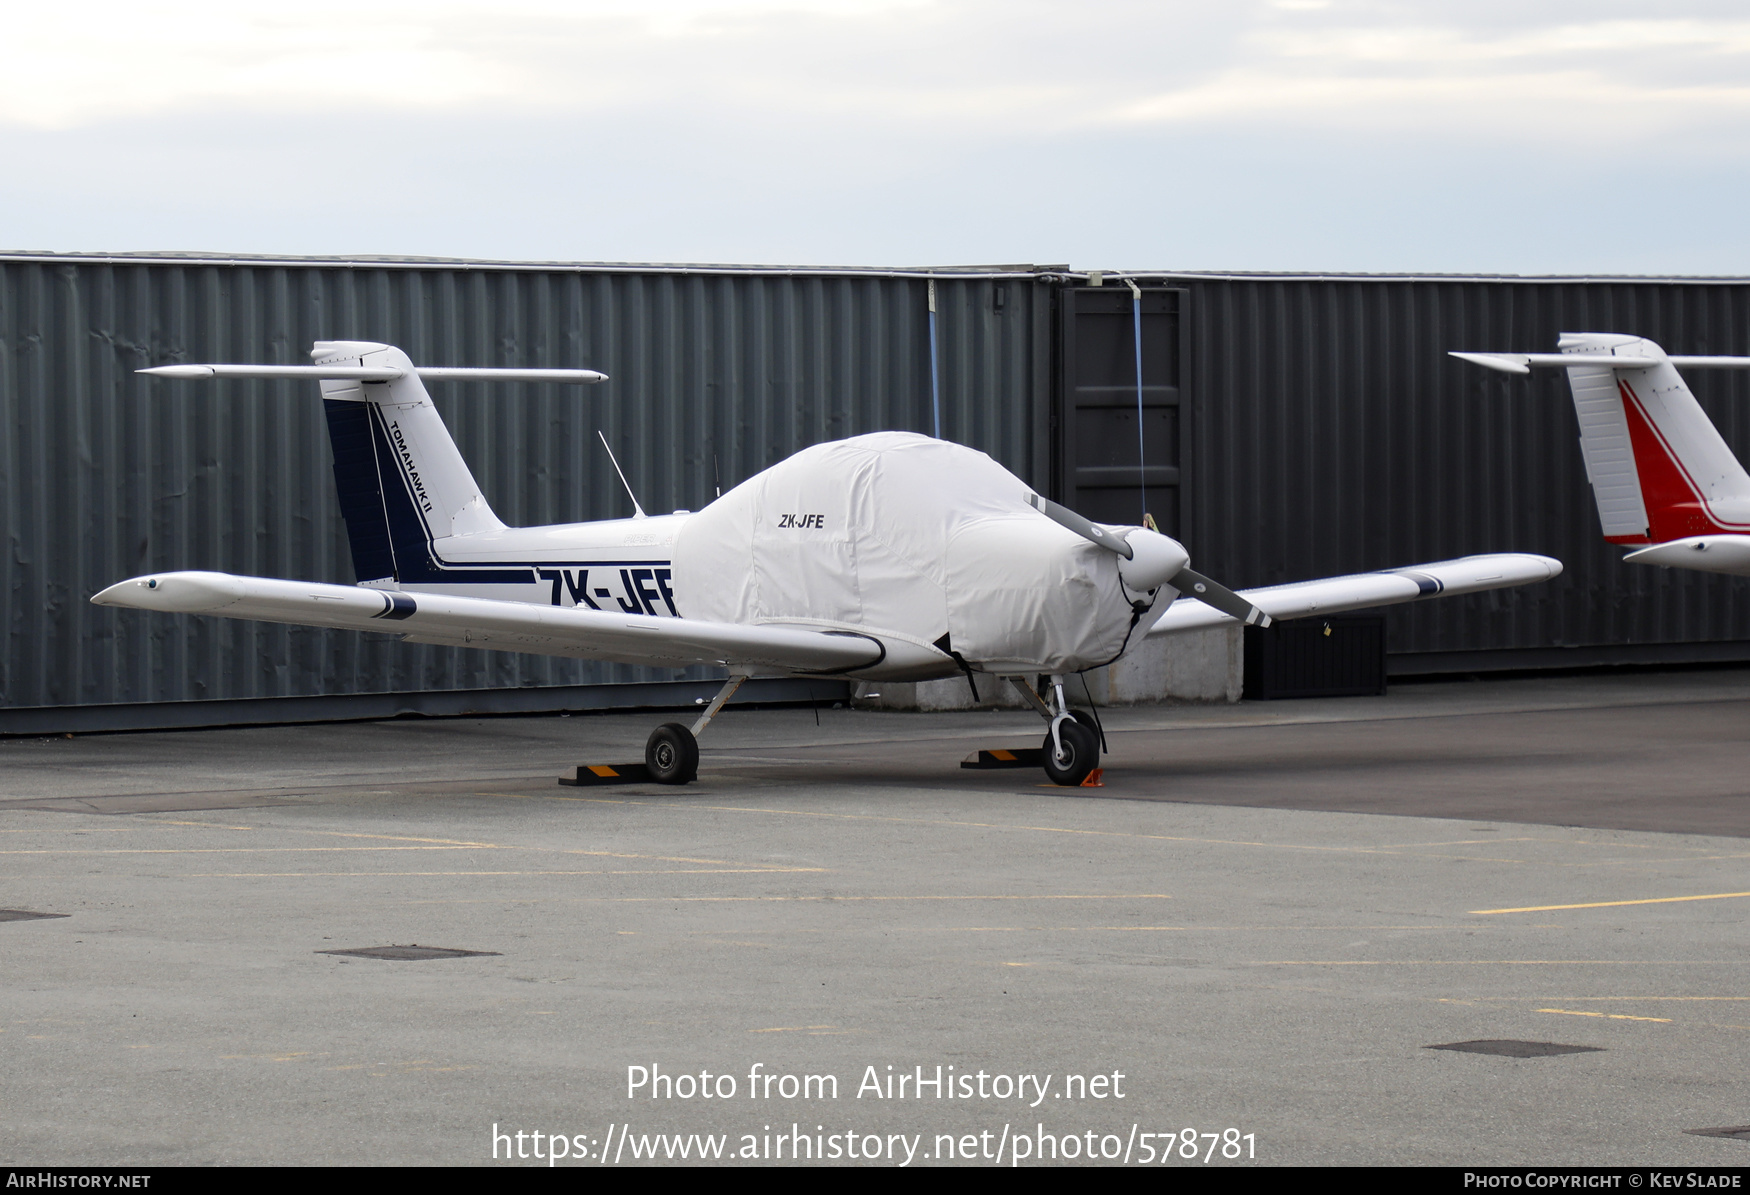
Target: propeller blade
{"x":1212,"y":593}
{"x":1063,"y":516}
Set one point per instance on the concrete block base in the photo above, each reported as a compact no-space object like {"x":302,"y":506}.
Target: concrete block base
{"x":1194,"y":666}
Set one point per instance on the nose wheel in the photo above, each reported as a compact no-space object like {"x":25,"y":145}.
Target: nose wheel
{"x":1072,"y":748}
{"x":1075,"y":753}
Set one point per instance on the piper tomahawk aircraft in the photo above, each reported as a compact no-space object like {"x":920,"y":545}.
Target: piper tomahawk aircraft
{"x":885,"y":557}
{"x":1660,"y":473}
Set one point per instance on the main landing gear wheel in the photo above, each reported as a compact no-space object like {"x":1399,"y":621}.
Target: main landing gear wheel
{"x":1081,"y":752}
{"x":672,"y":754}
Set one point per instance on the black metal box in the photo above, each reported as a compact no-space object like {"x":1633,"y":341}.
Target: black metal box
{"x":1339,"y":656}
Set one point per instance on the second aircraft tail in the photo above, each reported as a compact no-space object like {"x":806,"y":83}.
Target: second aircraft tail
{"x":1658,"y":467}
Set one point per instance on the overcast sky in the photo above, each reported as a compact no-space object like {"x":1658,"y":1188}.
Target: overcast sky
{"x":1529,"y":137}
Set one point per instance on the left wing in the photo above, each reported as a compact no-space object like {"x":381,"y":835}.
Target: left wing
{"x":500,"y":625}
{"x":1333,"y":595}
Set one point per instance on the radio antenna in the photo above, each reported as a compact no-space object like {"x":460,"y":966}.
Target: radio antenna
{"x":638,"y":511}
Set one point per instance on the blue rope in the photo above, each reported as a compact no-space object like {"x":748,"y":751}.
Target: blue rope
{"x":1141,"y":459}
{"x":935,"y":387}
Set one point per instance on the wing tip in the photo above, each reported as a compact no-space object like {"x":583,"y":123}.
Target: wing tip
{"x":1504,"y":362}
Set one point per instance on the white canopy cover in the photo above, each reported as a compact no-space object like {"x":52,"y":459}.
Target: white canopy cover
{"x":897,"y":535}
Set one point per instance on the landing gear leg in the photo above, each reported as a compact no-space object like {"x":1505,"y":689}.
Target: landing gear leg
{"x":672,"y":753}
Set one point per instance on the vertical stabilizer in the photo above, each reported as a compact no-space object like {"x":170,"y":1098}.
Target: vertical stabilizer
{"x":1658,"y":467}
{"x":403,"y":485}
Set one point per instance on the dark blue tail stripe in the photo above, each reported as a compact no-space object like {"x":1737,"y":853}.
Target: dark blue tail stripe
{"x":361,"y":497}
{"x":387,"y":535}
{"x":408,"y":532}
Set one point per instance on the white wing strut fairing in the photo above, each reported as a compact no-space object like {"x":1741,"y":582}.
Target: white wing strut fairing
{"x":1361,"y":591}
{"x":502,"y":626}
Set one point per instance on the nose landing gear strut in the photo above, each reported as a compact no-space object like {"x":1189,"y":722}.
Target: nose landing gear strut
{"x":1072,"y":744}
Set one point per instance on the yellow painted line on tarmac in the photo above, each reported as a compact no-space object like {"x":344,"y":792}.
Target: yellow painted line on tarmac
{"x":826,"y":900}
{"x":327,"y":833}
{"x":1342,"y":929}
{"x":1404,"y":846}
{"x":1614,"y":999}
{"x":232,"y":850}
{"x":1025,"y":929}
{"x":1608,"y":1016}
{"x":266,"y":875}
{"x":794,"y":1029}
{"x":389,"y":837}
{"x":921,"y":821}
{"x":284,"y":1056}
{"x":81,"y":830}
{"x":1501,"y":962}
{"x":1412,"y":850}
{"x":703,"y":871}
{"x":322,"y":833}
{"x":203,"y":825}
{"x":1612,"y":904}
{"x":626,"y":855}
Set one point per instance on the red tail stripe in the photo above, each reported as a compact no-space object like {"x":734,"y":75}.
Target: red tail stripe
{"x":1666,"y":485}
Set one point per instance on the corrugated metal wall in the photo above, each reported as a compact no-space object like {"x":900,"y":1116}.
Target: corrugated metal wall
{"x":108,"y":475}
{"x":1327,"y":431}
{"x":1332,"y":433}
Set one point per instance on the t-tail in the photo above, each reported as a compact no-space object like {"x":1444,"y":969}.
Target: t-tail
{"x":1660,"y":473}
{"x":407,"y":495}
{"x":403,"y":484}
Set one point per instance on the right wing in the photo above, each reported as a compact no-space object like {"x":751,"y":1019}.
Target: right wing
{"x":500,"y":625}
{"x":1334,"y":595}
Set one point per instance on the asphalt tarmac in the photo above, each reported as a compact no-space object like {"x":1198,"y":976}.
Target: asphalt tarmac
{"x":1260,"y":924}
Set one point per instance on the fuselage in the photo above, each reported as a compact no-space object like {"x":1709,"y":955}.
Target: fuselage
{"x":926,"y":547}
{"x":615,"y":564}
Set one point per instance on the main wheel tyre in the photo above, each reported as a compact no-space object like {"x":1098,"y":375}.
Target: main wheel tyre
{"x":672,"y":754}
{"x":1087,"y":719}
{"x":1081,"y":752}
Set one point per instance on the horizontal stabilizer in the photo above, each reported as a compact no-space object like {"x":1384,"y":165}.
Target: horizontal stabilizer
{"x":360,"y":373}
{"x":1706,"y":553}
{"x":1524,"y":362}
{"x":500,"y":625}
{"x":1334,"y":595}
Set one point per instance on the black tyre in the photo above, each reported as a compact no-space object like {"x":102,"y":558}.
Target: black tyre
{"x":672,"y":754}
{"x":1087,"y":719}
{"x":1081,"y":752}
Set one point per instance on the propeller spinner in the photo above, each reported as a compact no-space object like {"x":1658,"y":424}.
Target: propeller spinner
{"x":1152,"y":560}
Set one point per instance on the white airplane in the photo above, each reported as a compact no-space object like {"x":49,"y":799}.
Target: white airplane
{"x":1660,"y":472}
{"x":885,"y":557}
